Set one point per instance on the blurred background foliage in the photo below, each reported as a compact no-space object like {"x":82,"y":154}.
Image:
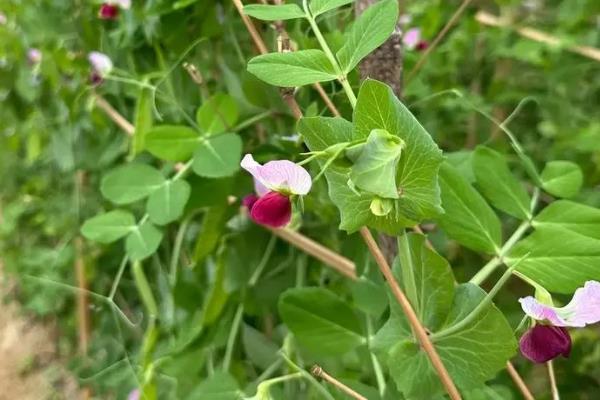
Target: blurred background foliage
{"x":55,"y":144}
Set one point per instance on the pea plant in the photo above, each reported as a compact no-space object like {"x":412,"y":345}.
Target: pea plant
{"x":259,"y":261}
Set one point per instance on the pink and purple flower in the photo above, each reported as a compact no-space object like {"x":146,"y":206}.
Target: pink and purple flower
{"x":274,"y":183}
{"x":101,"y":67}
{"x":109,"y":10}
{"x":543,"y":343}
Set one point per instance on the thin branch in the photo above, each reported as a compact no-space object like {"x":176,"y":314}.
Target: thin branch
{"x":114,"y":115}
{"x":260,"y":45}
{"x":491,"y":20}
{"x":318,"y":372}
{"x":328,"y":257}
{"x":438,"y":39}
{"x":519,"y":381}
{"x":413,"y":320}
{"x":552,"y":376}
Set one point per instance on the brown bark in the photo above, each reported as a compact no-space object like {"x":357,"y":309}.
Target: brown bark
{"x":385,"y":65}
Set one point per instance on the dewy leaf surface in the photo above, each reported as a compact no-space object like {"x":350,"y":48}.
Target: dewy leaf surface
{"x":297,"y":68}
{"x":498,"y":184}
{"x":320,"y":320}
{"x":468,"y":219}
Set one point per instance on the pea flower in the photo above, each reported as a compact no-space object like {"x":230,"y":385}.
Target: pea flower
{"x":3,"y":19}
{"x":274,"y":183}
{"x":34,"y":56}
{"x":412,"y":40}
{"x":134,"y":395}
{"x":543,"y":343}
{"x":101,"y":67}
{"x":109,"y":10}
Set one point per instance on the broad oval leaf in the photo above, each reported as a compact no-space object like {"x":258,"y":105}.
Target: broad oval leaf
{"x":562,"y":178}
{"x":172,"y":142}
{"x":217,"y":114}
{"x":370,"y":30}
{"x":143,"y":241}
{"x":168,"y":202}
{"x":472,"y":355}
{"x":498,"y":184}
{"x":108,"y":227}
{"x":568,"y":215}
{"x":561,"y":260}
{"x":320,"y":321}
{"x":321,"y":133}
{"x":220,"y":386}
{"x":130,"y":183}
{"x":468,"y":219}
{"x":267,"y":12}
{"x":318,"y":7}
{"x":218,"y":156}
{"x":417,"y":175}
{"x":291,"y":69}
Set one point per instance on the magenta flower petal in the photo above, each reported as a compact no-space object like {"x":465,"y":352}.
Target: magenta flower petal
{"x":249,"y":201}
{"x":582,"y":310}
{"x":278,"y":176}
{"x":543,"y":343}
{"x":411,"y":38}
{"x":272,"y":209}
{"x":108,"y":11}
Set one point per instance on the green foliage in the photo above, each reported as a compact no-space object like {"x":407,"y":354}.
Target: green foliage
{"x":274,"y":12}
{"x":318,"y":7}
{"x":166,"y":204}
{"x":217,"y":114}
{"x":143,"y":241}
{"x":562,"y":178}
{"x":172,"y":143}
{"x":321,"y":321}
{"x":468,"y":219}
{"x":297,"y":68}
{"x":499,"y":185}
{"x":219,"y":156}
{"x":109,"y":227}
{"x":369,"y":31}
{"x":130,"y":183}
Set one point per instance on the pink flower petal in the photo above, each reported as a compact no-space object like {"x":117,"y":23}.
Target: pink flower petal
{"x":249,"y":201}
{"x":101,"y":63}
{"x":124,"y":4}
{"x":272,"y":209}
{"x":543,"y":343}
{"x":134,"y":394}
{"x":279,"y":176}
{"x":411,"y":38}
{"x":108,"y":11}
{"x":582,"y":310}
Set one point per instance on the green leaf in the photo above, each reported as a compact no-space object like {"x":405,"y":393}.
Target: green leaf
{"x":212,"y":228}
{"x":320,"y":321}
{"x":274,"y":13}
{"x":568,"y":215}
{"x":318,"y":7}
{"x":130,"y":183}
{"x":259,"y":349}
{"x":172,"y":142}
{"x":142,"y":120}
{"x":562,"y":178}
{"x":472,"y":355}
{"x":217,"y":114}
{"x":427,"y":279}
{"x":561,"y":260}
{"x":219,"y":156}
{"x":417,"y":176}
{"x":291,"y":69}
{"x":217,"y":296}
{"x":168,"y":202}
{"x":371,"y":30}
{"x":220,"y":386}
{"x":375,"y":169}
{"x":369,"y":297}
{"x":468,"y":218}
{"x":108,"y":227}
{"x":143,"y":241}
{"x":499,"y":185}
{"x":321,"y":133}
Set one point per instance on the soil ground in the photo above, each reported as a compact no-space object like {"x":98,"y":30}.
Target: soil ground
{"x":29,"y":365}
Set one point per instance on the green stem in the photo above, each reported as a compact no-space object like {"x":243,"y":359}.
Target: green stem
{"x":251,"y":121}
{"x":376,"y":365}
{"x":485,"y":303}
{"x":341,"y":76}
{"x":407,"y":269}
{"x":237,"y":320}
{"x":115,"y":285}
{"x":498,"y":260}
{"x":309,"y":377}
{"x":143,"y":288}
{"x":177,"y":249}
{"x":263,"y":262}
